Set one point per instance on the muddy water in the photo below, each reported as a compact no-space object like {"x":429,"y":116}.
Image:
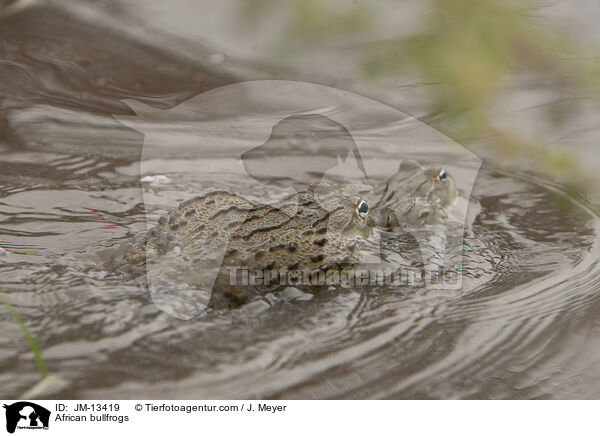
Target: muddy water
{"x":522,"y":325}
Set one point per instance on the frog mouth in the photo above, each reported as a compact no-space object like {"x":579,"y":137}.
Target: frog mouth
{"x":391,"y":220}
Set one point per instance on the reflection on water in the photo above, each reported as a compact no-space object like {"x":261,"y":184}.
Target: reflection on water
{"x":522,"y":325}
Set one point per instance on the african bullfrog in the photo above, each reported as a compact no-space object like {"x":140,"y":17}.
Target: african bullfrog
{"x":412,"y":196}
{"x":314,"y":232}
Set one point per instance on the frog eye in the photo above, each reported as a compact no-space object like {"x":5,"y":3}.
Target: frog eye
{"x":362,"y":209}
{"x":443,"y":175}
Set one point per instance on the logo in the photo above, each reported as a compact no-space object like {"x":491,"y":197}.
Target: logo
{"x":26,"y":415}
{"x":269,"y":140}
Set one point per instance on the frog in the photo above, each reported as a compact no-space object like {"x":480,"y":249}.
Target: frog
{"x":311,"y":233}
{"x":413,"y":196}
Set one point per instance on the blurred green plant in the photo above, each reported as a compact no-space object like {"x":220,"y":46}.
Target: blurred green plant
{"x":470,"y":48}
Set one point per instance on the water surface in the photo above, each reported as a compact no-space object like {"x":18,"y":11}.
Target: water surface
{"x":522,"y":325}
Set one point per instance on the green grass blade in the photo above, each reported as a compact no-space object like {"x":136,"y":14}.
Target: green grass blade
{"x":39,"y":360}
{"x":42,"y":388}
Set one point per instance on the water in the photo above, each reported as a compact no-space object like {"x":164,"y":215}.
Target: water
{"x":523,"y":324}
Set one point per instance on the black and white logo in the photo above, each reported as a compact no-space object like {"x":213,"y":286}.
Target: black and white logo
{"x":26,"y":415}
